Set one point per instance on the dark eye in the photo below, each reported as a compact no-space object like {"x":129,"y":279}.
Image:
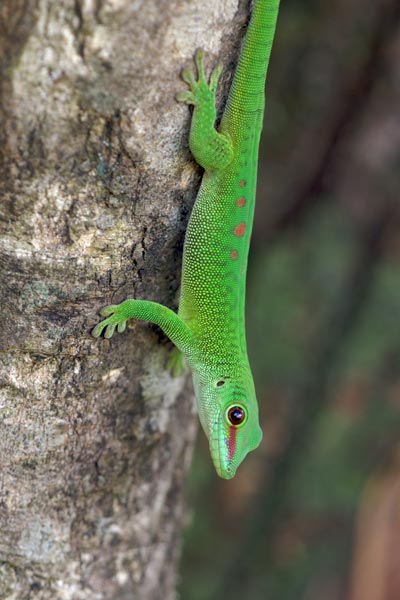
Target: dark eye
{"x":236,"y":415}
{"x":220,"y":383}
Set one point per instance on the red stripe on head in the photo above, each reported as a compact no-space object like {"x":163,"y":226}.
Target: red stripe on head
{"x":232,"y":442}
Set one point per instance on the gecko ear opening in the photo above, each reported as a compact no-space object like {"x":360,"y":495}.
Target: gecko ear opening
{"x":220,"y":382}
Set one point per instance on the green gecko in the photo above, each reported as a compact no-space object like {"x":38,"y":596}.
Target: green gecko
{"x":209,"y":328}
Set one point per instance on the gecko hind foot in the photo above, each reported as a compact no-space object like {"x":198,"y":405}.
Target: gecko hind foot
{"x":212,"y":149}
{"x":201,"y":92}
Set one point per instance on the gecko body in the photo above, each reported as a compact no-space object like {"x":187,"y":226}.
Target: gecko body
{"x":209,"y":328}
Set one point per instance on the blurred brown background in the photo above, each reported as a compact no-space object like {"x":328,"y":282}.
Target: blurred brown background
{"x":315,"y":512}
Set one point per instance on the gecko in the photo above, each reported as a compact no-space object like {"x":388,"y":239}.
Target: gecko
{"x":209,"y":327}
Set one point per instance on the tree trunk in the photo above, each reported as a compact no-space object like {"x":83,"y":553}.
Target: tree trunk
{"x":96,"y":436}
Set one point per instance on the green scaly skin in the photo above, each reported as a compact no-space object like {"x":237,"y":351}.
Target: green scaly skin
{"x":209,"y":328}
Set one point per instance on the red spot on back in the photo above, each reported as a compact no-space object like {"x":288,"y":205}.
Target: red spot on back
{"x":242,"y":183}
{"x":240,"y":229}
{"x":241,"y":201}
{"x":234,"y":254}
{"x":231,"y":443}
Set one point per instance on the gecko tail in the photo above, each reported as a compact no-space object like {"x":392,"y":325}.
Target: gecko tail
{"x":247,"y":93}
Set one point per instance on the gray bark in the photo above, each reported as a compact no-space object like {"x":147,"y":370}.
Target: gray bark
{"x":96,"y":186}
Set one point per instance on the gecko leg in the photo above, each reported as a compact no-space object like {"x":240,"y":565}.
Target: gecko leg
{"x":176,"y":363}
{"x":211,"y":149}
{"x":171,"y":324}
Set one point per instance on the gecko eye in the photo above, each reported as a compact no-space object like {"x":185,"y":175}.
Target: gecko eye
{"x":236,"y":415}
{"x":220,"y":383}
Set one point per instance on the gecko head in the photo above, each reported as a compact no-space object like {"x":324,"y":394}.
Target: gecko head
{"x":228,"y":413}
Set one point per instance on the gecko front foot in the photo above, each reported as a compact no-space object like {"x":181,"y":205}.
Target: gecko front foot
{"x":144,"y":310}
{"x":117,"y":319}
{"x":176,"y":363}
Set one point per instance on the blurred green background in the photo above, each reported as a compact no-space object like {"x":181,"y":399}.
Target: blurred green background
{"x":315,"y":512}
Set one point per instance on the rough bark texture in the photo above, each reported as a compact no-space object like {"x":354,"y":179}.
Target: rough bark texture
{"x":96,"y":186}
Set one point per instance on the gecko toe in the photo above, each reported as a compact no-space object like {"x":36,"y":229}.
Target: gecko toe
{"x":97,"y":331}
{"x":108,"y":310}
{"x":199,"y":60}
{"x":109,"y":330}
{"x":186,"y":97}
{"x":188,"y":77}
{"x":121,"y":327}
